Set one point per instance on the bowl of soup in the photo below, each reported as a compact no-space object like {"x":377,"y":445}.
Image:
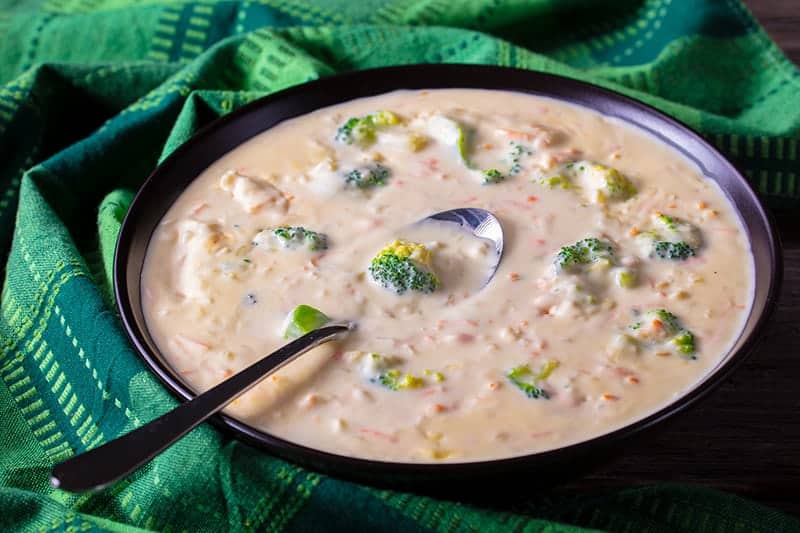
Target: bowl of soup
{"x":639,"y":268}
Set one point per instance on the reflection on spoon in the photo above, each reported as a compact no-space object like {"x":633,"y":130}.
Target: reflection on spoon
{"x":482,"y":224}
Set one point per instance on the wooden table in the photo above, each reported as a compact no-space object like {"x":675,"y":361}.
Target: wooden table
{"x":745,"y":437}
{"x":781,"y":19}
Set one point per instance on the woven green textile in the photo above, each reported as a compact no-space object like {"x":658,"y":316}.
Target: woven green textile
{"x":94,"y":92}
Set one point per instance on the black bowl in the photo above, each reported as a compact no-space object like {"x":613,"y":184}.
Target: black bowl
{"x":179,"y":169}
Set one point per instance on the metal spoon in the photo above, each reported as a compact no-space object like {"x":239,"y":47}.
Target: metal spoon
{"x":482,"y":223}
{"x":116,"y":459}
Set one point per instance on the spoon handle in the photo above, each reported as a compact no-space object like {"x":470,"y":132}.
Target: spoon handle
{"x":116,"y":459}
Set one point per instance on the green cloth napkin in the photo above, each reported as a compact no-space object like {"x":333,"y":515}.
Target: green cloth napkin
{"x":94,"y":92}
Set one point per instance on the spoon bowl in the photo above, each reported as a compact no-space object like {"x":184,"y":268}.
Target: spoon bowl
{"x":482,"y":224}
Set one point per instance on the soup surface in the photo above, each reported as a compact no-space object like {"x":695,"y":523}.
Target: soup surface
{"x":626,"y":276}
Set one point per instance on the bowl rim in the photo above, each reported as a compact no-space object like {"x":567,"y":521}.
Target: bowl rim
{"x":343,"y":464}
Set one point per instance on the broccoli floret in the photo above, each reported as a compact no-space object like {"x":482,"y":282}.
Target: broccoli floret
{"x":659,"y":326}
{"x":676,"y":240}
{"x":296,"y":236}
{"x":674,"y":251}
{"x":362,"y":130}
{"x":684,"y":342}
{"x":383,"y":370}
{"x":303,"y":319}
{"x":661,"y":318}
{"x":617,"y":186}
{"x":557,"y":181}
{"x":515,"y":158}
{"x":525,"y":380}
{"x":384,"y":118}
{"x":667,"y":221}
{"x":355,"y":130}
{"x":606,"y":182}
{"x":600,"y":183}
{"x":370,"y":176}
{"x":437,"y":376}
{"x":417,"y":142}
{"x":492,"y":176}
{"x":396,"y":380}
{"x":672,"y":239}
{"x":626,"y":279}
{"x":677,"y":230}
{"x":404,"y":266}
{"x":584,"y":252}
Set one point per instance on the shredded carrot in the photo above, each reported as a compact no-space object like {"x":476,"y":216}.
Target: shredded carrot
{"x":632,"y":379}
{"x":532,"y":198}
{"x":543,"y":344}
{"x":610,"y":397}
{"x":465,"y":338}
{"x":566,"y":155}
{"x":701,"y":205}
{"x":487,"y":146}
{"x":514,"y":276}
{"x":658,"y":324}
{"x":375,"y":433}
{"x":309,"y":401}
{"x":228,"y":372}
{"x":672,"y":206}
{"x":634,"y":231}
{"x":516,"y":134}
{"x":199,"y":208}
{"x":663,"y":354}
{"x":438,"y":408}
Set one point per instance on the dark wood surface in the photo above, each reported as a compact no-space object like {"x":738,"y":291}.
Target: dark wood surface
{"x":781,"y":19}
{"x":745,"y":437}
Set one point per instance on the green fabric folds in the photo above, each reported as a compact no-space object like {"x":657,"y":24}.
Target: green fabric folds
{"x":93,"y":93}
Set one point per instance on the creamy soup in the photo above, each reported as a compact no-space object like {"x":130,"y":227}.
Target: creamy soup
{"x":626,"y":276}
